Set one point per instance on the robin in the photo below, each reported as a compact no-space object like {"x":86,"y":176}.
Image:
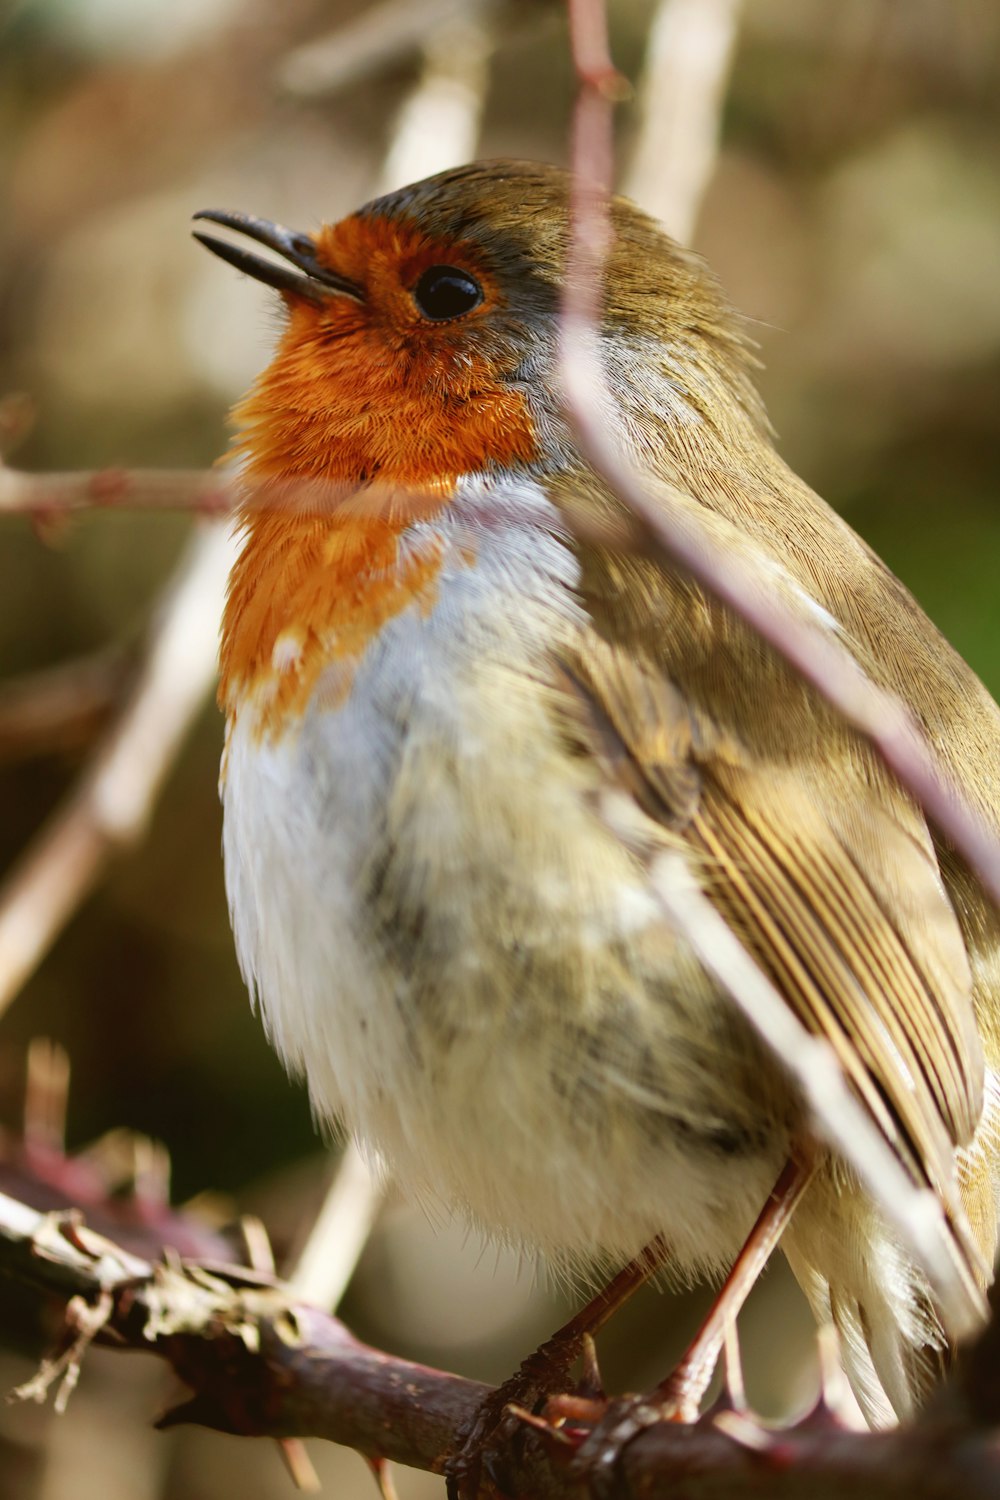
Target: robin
{"x":433,"y":681}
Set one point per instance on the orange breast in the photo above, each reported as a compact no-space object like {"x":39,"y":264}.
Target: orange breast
{"x":390,"y":413}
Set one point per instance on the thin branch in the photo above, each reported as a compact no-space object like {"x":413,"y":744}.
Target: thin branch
{"x":325,"y":1264}
{"x":121,"y":1180}
{"x":438,"y":123}
{"x":379,"y":37}
{"x":61,"y":708}
{"x":688,"y":57}
{"x":109,"y":808}
{"x":50,"y":497}
{"x":260,"y":1362}
{"x":673,"y":528}
{"x":200,"y":491}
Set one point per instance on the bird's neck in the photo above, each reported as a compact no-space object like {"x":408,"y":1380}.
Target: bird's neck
{"x":314,"y":585}
{"x":343,"y":449}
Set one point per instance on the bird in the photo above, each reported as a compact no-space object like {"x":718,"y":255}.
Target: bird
{"x":440,"y":665}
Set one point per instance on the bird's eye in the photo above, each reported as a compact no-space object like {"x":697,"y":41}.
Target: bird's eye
{"x":445,"y":292}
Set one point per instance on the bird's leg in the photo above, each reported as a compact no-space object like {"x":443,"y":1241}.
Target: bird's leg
{"x":484,"y":1440}
{"x":678,"y":1397}
{"x":684,"y":1387}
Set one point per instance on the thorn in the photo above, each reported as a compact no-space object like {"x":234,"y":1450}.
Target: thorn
{"x":173,"y":1261}
{"x":744,"y":1429}
{"x":835,"y":1405}
{"x":17,"y":417}
{"x":557,"y":1443}
{"x":111,"y":1158}
{"x":49,"y":524}
{"x":382,"y":1470}
{"x":299,"y":1465}
{"x":539,"y":1423}
{"x":260,"y":1255}
{"x":109,"y":486}
{"x":608,"y":82}
{"x":591,"y":1383}
{"x":150,"y":1172}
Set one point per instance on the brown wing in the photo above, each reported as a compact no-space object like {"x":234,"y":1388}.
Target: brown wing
{"x":812,"y":851}
{"x":830,"y":880}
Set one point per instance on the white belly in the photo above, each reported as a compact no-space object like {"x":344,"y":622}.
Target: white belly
{"x":465,"y":964}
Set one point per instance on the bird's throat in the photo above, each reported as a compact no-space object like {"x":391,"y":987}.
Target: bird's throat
{"x":308,"y":593}
{"x":345,"y":447}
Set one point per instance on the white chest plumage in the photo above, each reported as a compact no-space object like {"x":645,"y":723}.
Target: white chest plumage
{"x":448,"y":944}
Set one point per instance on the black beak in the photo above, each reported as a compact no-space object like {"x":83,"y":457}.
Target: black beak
{"x":316,"y":281}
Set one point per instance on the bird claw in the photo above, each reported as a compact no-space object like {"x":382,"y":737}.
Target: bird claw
{"x":489,"y":1441}
{"x":597,"y":1460}
{"x":524,"y":1402}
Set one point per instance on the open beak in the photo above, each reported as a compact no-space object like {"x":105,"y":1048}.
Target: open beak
{"x":309,"y":279}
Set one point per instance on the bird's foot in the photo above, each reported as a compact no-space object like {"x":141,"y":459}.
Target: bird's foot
{"x":523,"y":1403}
{"x":599,"y":1451}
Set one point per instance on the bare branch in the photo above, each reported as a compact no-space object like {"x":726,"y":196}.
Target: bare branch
{"x":438,"y":124}
{"x":325,"y":1264}
{"x":62,"y":707}
{"x":378,"y":37}
{"x":108,"y":809}
{"x":262,"y":1363}
{"x":201,"y":491}
{"x":121,"y":1180}
{"x":688,"y":56}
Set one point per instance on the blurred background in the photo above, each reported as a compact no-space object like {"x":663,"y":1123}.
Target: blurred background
{"x":854,"y":215}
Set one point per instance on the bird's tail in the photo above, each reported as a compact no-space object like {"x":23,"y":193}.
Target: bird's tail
{"x":894,"y":1347}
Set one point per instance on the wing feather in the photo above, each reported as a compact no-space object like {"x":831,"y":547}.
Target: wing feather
{"x":816,"y":855}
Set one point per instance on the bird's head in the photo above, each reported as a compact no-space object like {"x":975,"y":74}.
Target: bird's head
{"x":422,"y":331}
{"x":421,"y":346}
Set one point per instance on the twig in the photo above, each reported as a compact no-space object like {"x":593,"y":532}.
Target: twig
{"x":438,"y":124}
{"x":121,"y":1179}
{"x":108,"y":809}
{"x":326,"y":1262}
{"x":46,"y":1092}
{"x":378,"y":37}
{"x":262,"y":1363}
{"x":673,"y":528}
{"x":61,"y":707}
{"x":688,"y":57}
{"x":201,"y":491}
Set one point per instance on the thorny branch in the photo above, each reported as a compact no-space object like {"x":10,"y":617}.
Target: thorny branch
{"x":261,"y":1362}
